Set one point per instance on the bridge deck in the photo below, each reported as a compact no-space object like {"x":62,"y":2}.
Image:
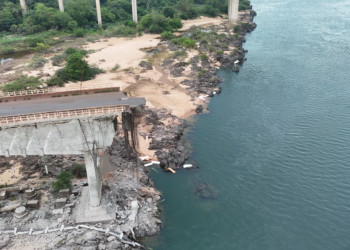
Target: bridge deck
{"x":68,"y":103}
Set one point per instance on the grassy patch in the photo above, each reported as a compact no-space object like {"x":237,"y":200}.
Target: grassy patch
{"x":38,"y":63}
{"x":185,"y":42}
{"x":22,"y":83}
{"x":115,"y":68}
{"x":63,"y":181}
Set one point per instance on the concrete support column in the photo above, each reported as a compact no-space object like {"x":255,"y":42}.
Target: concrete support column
{"x":61,"y":6}
{"x":134,"y":10}
{"x":23,"y":6}
{"x":93,"y":173}
{"x":233,"y":11}
{"x":98,"y":10}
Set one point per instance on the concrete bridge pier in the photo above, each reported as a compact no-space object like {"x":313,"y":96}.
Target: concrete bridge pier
{"x":134,"y":10}
{"x":93,"y":172}
{"x":23,"y":6}
{"x":233,"y":11}
{"x":60,"y":5}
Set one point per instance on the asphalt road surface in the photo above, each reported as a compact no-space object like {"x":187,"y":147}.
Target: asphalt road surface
{"x":69,"y":103}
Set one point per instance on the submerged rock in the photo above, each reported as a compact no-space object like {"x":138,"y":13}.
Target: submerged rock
{"x":206,"y":191}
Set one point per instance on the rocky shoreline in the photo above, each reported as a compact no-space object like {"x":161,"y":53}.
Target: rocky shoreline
{"x":223,"y":47}
{"x":218,"y":46}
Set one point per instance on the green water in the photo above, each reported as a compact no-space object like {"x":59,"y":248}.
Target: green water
{"x":276,"y":144}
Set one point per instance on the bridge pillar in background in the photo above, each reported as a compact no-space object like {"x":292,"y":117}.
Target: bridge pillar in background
{"x":61,"y":6}
{"x":93,"y":172}
{"x":23,"y":6}
{"x":233,"y":11}
{"x":134,"y":10}
{"x":98,"y":11}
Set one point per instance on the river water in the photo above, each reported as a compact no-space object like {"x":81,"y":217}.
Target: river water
{"x":276,"y":144}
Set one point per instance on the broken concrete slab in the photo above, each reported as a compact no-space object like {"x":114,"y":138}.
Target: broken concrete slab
{"x":33,"y":203}
{"x":64,"y":193}
{"x":70,"y":205}
{"x":10,"y":207}
{"x":3,"y":195}
{"x":61,"y":202}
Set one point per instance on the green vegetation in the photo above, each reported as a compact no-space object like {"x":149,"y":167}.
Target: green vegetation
{"x":44,"y":15}
{"x":158,"y":23}
{"x":76,"y":69}
{"x":167,"y":35}
{"x":43,"y":24}
{"x":204,"y":57}
{"x":63,"y":181}
{"x":38,"y":62}
{"x":58,"y":60}
{"x":185,"y":42}
{"x":180,"y":54}
{"x":115,"y":68}
{"x":22,"y":83}
{"x":78,"y":170}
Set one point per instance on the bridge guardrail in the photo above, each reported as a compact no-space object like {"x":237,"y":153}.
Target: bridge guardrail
{"x":53,"y":90}
{"x":53,"y":115}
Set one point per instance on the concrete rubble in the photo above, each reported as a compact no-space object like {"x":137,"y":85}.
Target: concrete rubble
{"x":34,"y":210}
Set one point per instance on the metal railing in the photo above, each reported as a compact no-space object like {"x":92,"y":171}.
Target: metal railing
{"x":53,"y":90}
{"x":119,"y":236}
{"x":54,"y":115}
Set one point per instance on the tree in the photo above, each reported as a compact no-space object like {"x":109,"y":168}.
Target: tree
{"x":10,"y":14}
{"x":81,"y":11}
{"x":77,"y":68}
{"x":187,"y":9}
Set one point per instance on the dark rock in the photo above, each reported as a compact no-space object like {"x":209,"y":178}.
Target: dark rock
{"x":146,"y":65}
{"x":199,"y":109}
{"x":206,"y":191}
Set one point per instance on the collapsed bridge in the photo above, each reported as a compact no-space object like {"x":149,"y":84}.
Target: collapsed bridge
{"x":69,"y":125}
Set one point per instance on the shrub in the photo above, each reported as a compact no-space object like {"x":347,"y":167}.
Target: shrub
{"x":115,"y":68}
{"x":204,"y":57}
{"x":79,"y":32}
{"x":126,"y":31}
{"x":22,"y":83}
{"x":72,"y":50}
{"x":33,"y":41}
{"x":237,"y":28}
{"x":219,"y":52}
{"x":158,"y":23}
{"x":210,"y":11}
{"x":62,"y":74}
{"x":41,"y":47}
{"x":185,"y":42}
{"x":63,"y":181}
{"x":78,"y":170}
{"x":169,"y":12}
{"x":167,"y":35}
{"x":244,"y":4}
{"x":57,"y":60}
{"x":55,"y":81}
{"x":175,"y":23}
{"x":180,"y":53}
{"x":38,"y":63}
